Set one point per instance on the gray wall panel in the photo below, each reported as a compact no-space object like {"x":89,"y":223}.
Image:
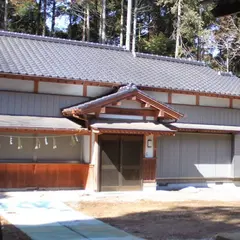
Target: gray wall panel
{"x":170,"y":159}
{"x":209,"y":115}
{"x":236,"y":157}
{"x":189,"y":155}
{"x":194,"y":156}
{"x":30,"y":104}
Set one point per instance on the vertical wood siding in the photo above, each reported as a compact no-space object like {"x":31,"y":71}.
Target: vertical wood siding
{"x":194,"y":156}
{"x":209,"y":115}
{"x":29,"y":104}
{"x":46,"y":176}
{"x":149,"y":169}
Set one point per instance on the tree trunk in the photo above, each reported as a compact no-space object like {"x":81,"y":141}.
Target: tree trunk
{"x":134,"y":27}
{"x":70,"y":26}
{"x":39,"y":17}
{"x":88,"y":23}
{"x":129,"y":23}
{"x":103,"y":21}
{"x":84,"y":25}
{"x":53,"y":18}
{"x":178,"y":28}
{"x":122,"y":22}
{"x":44,"y":17}
{"x":6,"y":15}
{"x":100,"y":28}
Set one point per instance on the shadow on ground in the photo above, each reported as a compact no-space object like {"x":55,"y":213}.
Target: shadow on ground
{"x":175,"y":222}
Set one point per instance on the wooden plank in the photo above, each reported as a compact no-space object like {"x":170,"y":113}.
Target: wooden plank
{"x":13,"y":175}
{"x":149,"y":169}
{"x":135,"y":112}
{"x":36,"y":86}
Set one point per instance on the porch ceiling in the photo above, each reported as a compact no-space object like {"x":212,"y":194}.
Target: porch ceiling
{"x":39,"y":124}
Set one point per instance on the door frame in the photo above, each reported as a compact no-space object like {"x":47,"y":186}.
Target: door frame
{"x":100,"y":162}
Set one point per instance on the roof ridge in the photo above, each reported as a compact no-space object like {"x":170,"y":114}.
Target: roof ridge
{"x":60,"y":40}
{"x":170,"y":59}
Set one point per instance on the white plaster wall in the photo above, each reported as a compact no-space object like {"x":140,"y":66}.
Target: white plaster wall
{"x":183,"y":99}
{"x":16,"y":85}
{"x":149,"y":151}
{"x":236,"y":103}
{"x":95,"y":91}
{"x":160,"y":96}
{"x":60,"y":88}
{"x":213,"y":101}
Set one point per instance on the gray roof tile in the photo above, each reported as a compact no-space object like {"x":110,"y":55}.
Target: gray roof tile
{"x":51,"y":57}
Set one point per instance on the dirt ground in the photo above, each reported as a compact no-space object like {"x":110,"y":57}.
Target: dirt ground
{"x":10,"y":232}
{"x":166,"y":220}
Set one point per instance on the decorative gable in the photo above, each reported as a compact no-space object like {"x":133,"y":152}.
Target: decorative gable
{"x":128,"y":101}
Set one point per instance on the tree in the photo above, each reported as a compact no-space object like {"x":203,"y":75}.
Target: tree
{"x":129,"y":27}
{"x":6,"y":15}
{"x":53,"y":17}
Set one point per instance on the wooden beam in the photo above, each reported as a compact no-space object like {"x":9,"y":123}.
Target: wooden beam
{"x":127,"y":111}
{"x":45,"y":131}
{"x":197,"y":99}
{"x":85,"y":90}
{"x":161,"y":114}
{"x":103,"y":110}
{"x":117,"y":103}
{"x":36,"y":86}
{"x":230,"y":103}
{"x":170,"y":98}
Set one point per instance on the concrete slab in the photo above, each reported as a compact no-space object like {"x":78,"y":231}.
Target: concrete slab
{"x":229,"y":236}
{"x":53,"y":220}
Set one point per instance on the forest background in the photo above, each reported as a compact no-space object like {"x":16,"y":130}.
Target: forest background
{"x":176,"y":28}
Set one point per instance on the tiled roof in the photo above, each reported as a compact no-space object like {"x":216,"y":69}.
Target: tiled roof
{"x":190,"y":126}
{"x":51,"y":57}
{"x":46,"y":123}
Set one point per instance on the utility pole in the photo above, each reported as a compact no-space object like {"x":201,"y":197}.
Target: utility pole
{"x":178,"y":28}
{"x":129,"y":23}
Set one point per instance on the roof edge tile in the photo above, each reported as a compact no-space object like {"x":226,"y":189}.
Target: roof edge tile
{"x":61,"y":40}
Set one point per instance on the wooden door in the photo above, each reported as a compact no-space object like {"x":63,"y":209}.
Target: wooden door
{"x":121,"y":162}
